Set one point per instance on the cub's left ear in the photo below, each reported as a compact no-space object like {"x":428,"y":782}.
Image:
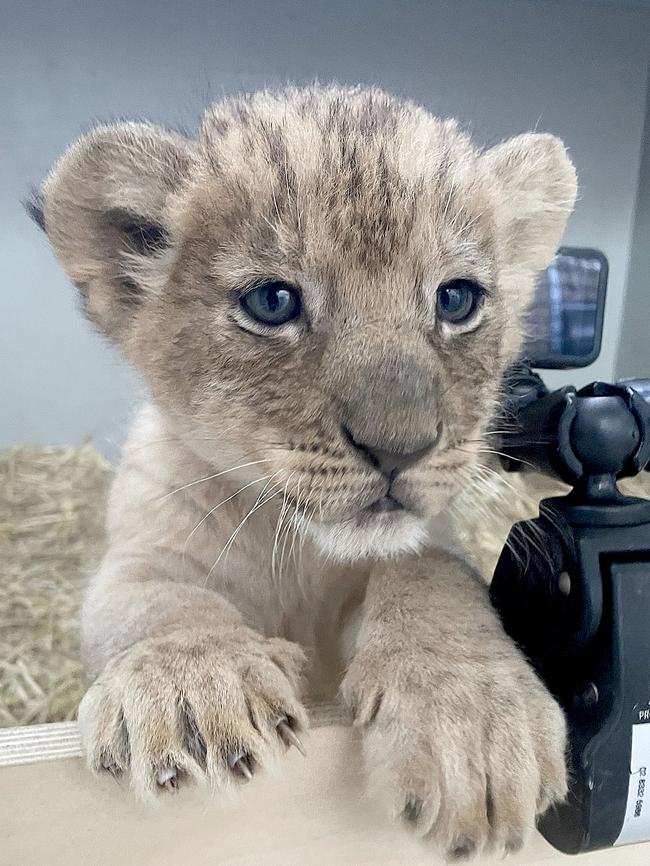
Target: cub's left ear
{"x":538,"y":188}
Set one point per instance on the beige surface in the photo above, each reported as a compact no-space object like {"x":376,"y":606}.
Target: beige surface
{"x":55,"y":813}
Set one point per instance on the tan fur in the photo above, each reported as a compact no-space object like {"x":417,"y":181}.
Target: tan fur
{"x":236,"y":522}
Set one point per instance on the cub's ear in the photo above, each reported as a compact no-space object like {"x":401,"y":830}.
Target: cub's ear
{"x":538,"y":189}
{"x":105,"y":210}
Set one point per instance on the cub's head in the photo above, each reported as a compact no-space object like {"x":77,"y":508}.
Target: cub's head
{"x":325,"y":285}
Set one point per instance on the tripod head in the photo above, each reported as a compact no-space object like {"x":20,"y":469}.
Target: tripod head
{"x":588,"y":438}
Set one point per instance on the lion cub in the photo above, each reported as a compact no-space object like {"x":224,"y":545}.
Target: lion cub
{"x":321,"y":291}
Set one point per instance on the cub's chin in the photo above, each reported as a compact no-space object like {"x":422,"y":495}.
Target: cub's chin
{"x":374,"y":535}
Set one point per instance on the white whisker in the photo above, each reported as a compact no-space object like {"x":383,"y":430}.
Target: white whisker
{"x":229,"y":543}
{"x":218,"y":505}
{"x":278,"y":528}
{"x":211,"y":477}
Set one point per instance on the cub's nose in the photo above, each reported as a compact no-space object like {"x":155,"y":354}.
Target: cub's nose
{"x":390,"y":463}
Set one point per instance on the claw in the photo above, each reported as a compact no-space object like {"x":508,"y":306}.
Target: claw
{"x":462,"y":849}
{"x":241,"y":763}
{"x":288,"y":736}
{"x":108,"y":764}
{"x":113,"y":770}
{"x":412,"y":810}
{"x":242,"y":767}
{"x":167,"y":778}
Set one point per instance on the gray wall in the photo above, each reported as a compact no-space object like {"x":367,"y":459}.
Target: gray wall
{"x":504,"y":66}
{"x":634,"y":346}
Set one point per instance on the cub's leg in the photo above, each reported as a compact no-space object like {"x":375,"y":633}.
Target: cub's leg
{"x":183,"y":685}
{"x":458,"y":732}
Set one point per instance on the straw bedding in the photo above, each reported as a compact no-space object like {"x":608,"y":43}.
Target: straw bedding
{"x":51,"y":536}
{"x":51,"y":516}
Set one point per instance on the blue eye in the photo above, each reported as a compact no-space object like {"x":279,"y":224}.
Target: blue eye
{"x":457,"y":300}
{"x":272,"y":303}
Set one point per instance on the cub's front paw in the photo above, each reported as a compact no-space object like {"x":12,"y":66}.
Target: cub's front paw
{"x":213,"y":706}
{"x":468,"y":753}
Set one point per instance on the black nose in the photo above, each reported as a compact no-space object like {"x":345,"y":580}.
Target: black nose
{"x":391,"y":462}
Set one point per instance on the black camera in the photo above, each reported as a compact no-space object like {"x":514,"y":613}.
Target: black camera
{"x":572,"y":586}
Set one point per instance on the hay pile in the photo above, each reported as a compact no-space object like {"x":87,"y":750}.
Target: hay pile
{"x":51,"y":535}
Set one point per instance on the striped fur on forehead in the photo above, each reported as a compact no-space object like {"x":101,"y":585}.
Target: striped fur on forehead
{"x":363,"y":170}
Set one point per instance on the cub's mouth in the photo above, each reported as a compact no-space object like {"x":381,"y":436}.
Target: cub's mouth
{"x":371,"y":533}
{"x":396,"y":502}
{"x":385,"y":526}
{"x":385,"y":505}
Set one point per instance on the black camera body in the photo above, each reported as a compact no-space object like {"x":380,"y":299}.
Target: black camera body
{"x":572,"y":586}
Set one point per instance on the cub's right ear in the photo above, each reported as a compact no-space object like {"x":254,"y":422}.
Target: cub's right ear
{"x":105,"y":209}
